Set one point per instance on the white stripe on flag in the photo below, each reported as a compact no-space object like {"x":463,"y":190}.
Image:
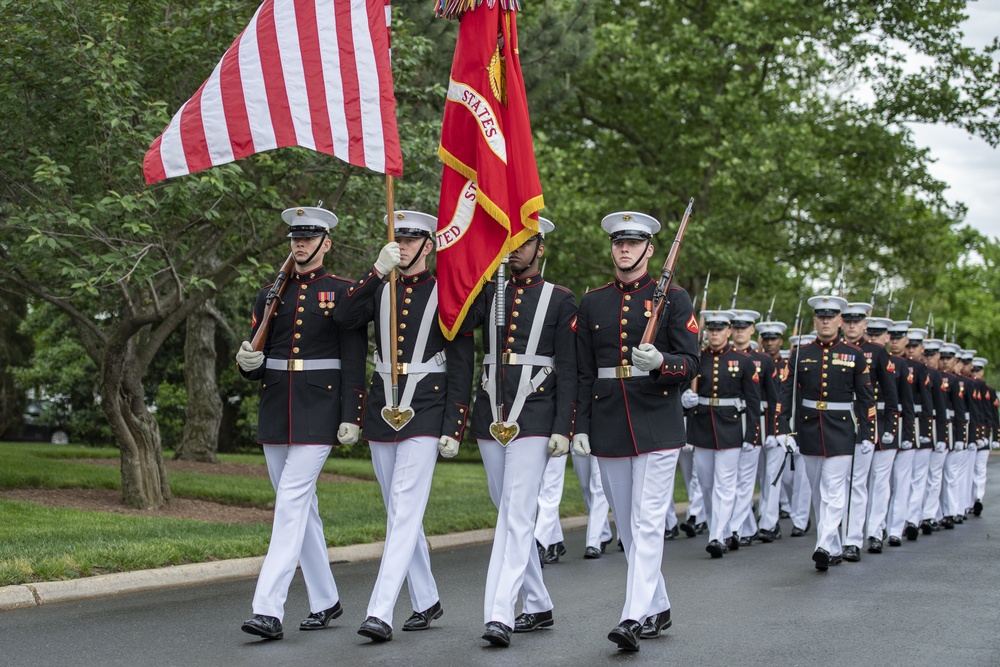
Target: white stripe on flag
{"x":286,"y":26}
{"x":330,"y":49}
{"x":213,"y":119}
{"x":172,"y":147}
{"x":258,"y":112}
{"x":368,"y":87}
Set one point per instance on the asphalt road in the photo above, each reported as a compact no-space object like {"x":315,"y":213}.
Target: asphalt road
{"x":931,"y":602}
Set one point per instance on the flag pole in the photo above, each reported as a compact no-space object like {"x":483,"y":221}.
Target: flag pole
{"x":390,"y":204}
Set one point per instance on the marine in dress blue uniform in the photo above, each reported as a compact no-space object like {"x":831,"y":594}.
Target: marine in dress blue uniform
{"x":779,"y":443}
{"x":897,"y":490}
{"x":835,"y":405}
{"x":434,"y":379}
{"x":312,"y":379}
{"x":991,"y":411}
{"x":724,"y":424}
{"x":941,"y":426}
{"x":630,"y":415}
{"x":923,"y":445}
{"x":957,"y":415}
{"x":536,"y":369}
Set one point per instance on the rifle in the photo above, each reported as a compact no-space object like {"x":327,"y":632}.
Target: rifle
{"x":930,"y":323}
{"x":840,"y":281}
{"x":271,"y":302}
{"x":736,"y":292}
{"x":666,"y":277}
{"x":888,"y":306}
{"x":704,"y":304}
{"x":795,"y":381}
{"x":770,"y":309}
{"x":874,"y":293}
{"x":909,"y":311}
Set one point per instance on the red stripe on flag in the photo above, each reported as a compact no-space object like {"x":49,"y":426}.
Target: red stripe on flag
{"x":234,"y":104}
{"x":387,"y":100}
{"x":274,"y":78}
{"x":193,"y":135}
{"x":312,"y":69}
{"x":349,"y":80}
{"x":152,"y":164}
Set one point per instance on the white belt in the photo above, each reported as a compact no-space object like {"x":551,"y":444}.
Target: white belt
{"x":515,"y":359}
{"x":763,"y":406}
{"x":436,"y":365}
{"x":620,"y":372}
{"x":826,"y":405}
{"x":738,"y":403}
{"x":918,"y":409}
{"x":880,"y":405}
{"x":302,"y":364}
{"x":948,"y":414}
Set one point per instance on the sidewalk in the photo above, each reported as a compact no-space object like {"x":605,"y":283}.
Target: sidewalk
{"x":30,"y":595}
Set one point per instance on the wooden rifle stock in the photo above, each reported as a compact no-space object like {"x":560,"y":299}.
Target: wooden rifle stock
{"x":271,"y":304}
{"x":666,"y":277}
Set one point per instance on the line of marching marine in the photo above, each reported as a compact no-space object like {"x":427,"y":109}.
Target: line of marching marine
{"x":557,"y":376}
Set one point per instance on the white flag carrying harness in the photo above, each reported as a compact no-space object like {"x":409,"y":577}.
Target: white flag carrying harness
{"x":506,"y":430}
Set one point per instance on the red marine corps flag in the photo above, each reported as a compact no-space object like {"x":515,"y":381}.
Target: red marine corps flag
{"x":312,"y":73}
{"x":490,"y":192}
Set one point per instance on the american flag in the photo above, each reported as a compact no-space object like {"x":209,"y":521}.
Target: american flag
{"x":311,"y":73}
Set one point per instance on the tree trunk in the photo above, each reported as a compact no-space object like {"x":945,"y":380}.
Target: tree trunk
{"x":204,"y":406}
{"x":144,"y":475}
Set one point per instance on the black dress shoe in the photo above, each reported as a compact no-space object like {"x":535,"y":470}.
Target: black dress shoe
{"x":836,"y":560}
{"x":267,"y":627}
{"x":776,"y":533}
{"x":541,"y":553}
{"x":925,"y":527}
{"x":671,"y":533}
{"x":852,"y":554}
{"x":746,"y":542}
{"x":894,"y":541}
{"x":782,"y":514}
{"x":935,"y":526}
{"x":765,"y":535}
{"x":592,"y":552}
{"x":874,"y":545}
{"x":948,"y":523}
{"x":654,"y":624}
{"x":958,"y":518}
{"x":797,"y":532}
{"x":553,"y":553}
{"x":321,"y":619}
{"x":977,"y":507}
{"x":376,"y":630}
{"x":626,"y":635}
{"x":910,"y":532}
{"x":822,"y":559}
{"x":701,"y":528}
{"x":716,"y":548}
{"x":421,"y":620}
{"x":621,"y":547}
{"x":497,"y":634}
{"x":604,"y":545}
{"x":733,"y":542}
{"x":528,"y":622}
{"x":688,"y":526}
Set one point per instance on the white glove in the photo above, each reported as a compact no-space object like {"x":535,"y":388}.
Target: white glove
{"x":447,"y":446}
{"x":906,"y":444}
{"x":247,"y":358}
{"x":982,"y":443}
{"x":995,"y":445}
{"x":688,"y":447}
{"x":747,"y":447}
{"x":581,"y":444}
{"x":867,"y":446}
{"x":770,"y":442}
{"x":347,"y":434}
{"x":924,"y":440}
{"x":940,"y":446}
{"x":689,"y":399}
{"x":646,"y":357}
{"x":558,"y":445}
{"x":973,"y":445}
{"x":388,"y":258}
{"x":790,"y":446}
{"x":887,"y":438}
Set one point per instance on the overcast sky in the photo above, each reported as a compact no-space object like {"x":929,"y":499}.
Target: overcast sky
{"x":969,"y":165}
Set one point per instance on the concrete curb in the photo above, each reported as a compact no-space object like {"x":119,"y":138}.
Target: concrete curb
{"x":31,"y":595}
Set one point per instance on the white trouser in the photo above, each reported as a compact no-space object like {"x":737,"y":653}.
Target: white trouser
{"x":637,"y":488}
{"x":889,"y":487}
{"x":717,"y":469}
{"x":696,"y":501}
{"x":769,"y":494}
{"x":802,"y":493}
{"x":970,"y":476}
{"x":404,"y":471}
{"x":296,"y":533}
{"x":979,"y":480}
{"x":514,"y":476}
{"x":852,"y":532}
{"x":744,"y":523}
{"x":589,"y":474}
{"x":952,"y":498}
{"x":932,"y":495}
{"x":918,"y":485}
{"x":829,"y":479}
{"x":548,"y":530}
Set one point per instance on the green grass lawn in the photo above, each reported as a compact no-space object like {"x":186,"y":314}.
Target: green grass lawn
{"x":40,"y":543}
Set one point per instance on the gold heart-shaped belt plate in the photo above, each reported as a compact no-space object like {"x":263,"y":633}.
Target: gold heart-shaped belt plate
{"x":504,"y":432}
{"x":397,"y":417}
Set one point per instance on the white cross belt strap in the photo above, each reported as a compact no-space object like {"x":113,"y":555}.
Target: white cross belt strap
{"x":737,"y":403}
{"x":302,"y":364}
{"x":620,"y":372}
{"x":827,"y":405}
{"x":415,"y":372}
